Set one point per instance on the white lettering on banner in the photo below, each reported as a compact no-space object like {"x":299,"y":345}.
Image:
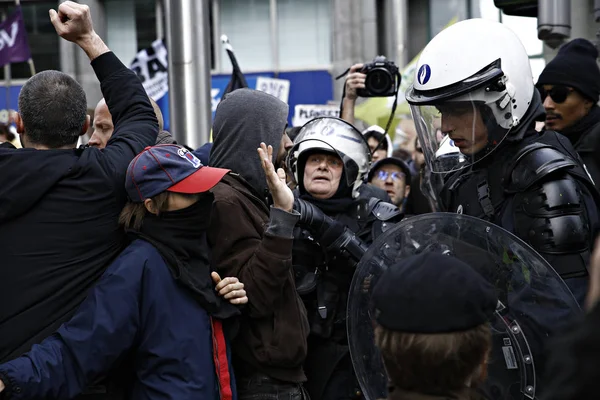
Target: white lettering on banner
{"x":305,"y":112}
{"x":6,"y":39}
{"x":151,"y":66}
{"x":279,"y":88}
{"x":214,"y":100}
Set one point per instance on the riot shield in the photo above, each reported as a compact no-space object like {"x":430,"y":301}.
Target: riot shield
{"x":534,"y":302}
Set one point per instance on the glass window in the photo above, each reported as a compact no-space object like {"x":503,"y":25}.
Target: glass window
{"x":304,"y":33}
{"x":145,"y":22}
{"x":248,"y":25}
{"x":43,"y":40}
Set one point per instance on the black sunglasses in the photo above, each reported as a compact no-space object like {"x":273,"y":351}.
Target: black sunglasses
{"x":558,"y":93}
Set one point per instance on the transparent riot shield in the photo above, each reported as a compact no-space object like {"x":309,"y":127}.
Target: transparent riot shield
{"x":533,"y":304}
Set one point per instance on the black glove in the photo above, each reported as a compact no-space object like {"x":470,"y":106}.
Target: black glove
{"x":332,"y":235}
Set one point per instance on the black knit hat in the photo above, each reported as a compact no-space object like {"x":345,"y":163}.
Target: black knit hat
{"x":574,"y":66}
{"x":432,"y":293}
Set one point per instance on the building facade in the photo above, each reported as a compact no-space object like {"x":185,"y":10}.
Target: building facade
{"x":305,"y":42}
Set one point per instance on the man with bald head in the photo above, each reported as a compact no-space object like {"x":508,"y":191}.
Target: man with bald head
{"x":104,"y":127}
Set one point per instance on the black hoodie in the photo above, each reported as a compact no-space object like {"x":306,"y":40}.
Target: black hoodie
{"x":234,"y":145}
{"x":59,"y":215}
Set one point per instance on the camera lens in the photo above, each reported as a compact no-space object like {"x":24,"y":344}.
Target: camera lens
{"x":378,"y":81}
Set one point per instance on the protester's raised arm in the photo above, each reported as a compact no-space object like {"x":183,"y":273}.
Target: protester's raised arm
{"x":73,"y":22}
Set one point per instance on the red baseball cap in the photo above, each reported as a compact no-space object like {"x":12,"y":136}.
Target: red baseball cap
{"x":171,"y":168}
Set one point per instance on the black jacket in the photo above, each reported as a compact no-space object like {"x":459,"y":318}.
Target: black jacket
{"x":585,"y":137}
{"x":59,"y":215}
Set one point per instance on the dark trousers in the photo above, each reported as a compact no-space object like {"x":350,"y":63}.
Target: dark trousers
{"x":262,"y":387}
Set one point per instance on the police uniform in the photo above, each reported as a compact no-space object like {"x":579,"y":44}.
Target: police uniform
{"x":431,"y":293}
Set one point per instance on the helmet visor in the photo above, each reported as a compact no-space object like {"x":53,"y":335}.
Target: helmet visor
{"x":456,"y":133}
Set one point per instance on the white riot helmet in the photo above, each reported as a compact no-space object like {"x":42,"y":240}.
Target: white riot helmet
{"x":331,"y":135}
{"x":474,"y":79}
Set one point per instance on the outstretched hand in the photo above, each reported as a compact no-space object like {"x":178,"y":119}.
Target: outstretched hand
{"x":283,"y":197}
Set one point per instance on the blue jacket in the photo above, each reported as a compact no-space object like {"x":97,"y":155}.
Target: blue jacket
{"x":136,"y":308}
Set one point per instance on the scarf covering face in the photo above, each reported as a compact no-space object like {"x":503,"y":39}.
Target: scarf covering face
{"x":180,"y":238}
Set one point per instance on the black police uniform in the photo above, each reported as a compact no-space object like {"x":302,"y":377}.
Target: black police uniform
{"x":535,"y":186}
{"x":323,"y":278}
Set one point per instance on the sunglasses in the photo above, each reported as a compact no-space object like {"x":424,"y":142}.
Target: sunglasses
{"x":558,"y":93}
{"x":396,"y":176}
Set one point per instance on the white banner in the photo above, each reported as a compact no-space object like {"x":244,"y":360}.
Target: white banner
{"x":279,"y":88}
{"x":305,"y":112}
{"x":152,"y":67}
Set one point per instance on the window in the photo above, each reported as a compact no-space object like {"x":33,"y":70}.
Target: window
{"x":302,"y":37}
{"x":248,"y":25}
{"x":304,"y":33}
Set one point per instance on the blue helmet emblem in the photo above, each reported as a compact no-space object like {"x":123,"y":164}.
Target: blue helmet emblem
{"x":424,"y":74}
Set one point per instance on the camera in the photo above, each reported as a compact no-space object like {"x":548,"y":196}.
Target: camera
{"x":381,"y":78}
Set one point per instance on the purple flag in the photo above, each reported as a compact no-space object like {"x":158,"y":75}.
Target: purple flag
{"x":13,"y":40}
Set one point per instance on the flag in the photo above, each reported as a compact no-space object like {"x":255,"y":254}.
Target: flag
{"x":13,"y":39}
{"x":238,"y":80}
{"x":152,"y":68}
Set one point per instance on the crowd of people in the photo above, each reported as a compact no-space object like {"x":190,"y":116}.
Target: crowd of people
{"x":133,"y":267}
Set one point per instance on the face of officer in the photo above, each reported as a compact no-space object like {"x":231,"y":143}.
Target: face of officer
{"x":378,"y":154}
{"x":322,"y":175}
{"x":103,"y":126}
{"x":392,"y":179}
{"x":462,"y":121}
{"x":564,"y":106}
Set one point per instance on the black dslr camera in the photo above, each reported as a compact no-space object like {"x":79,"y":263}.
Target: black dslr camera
{"x":382,"y":79}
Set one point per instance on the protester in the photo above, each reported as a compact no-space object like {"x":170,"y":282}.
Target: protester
{"x":155,"y":303}
{"x":104,"y":127}
{"x":329,"y":161}
{"x":8,"y":137}
{"x":379,"y":142}
{"x":432,"y":348}
{"x":392,"y":175}
{"x":59,"y":205}
{"x":492,"y":163}
{"x":420,"y":198}
{"x":253,"y":242}
{"x":570,"y":89}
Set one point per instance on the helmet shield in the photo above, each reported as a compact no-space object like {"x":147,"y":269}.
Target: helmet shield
{"x":331,"y":135}
{"x":534,"y":302}
{"x":462,"y":123}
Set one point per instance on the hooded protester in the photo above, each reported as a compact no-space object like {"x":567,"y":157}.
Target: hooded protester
{"x":253,"y":242}
{"x":379,"y":142}
{"x":59,"y":205}
{"x":329,"y":161}
{"x":154,"y":321}
{"x":570,"y":88}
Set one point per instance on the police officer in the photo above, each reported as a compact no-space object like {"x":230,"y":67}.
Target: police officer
{"x":431,"y":348}
{"x":491,"y":163}
{"x":329,"y":160}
